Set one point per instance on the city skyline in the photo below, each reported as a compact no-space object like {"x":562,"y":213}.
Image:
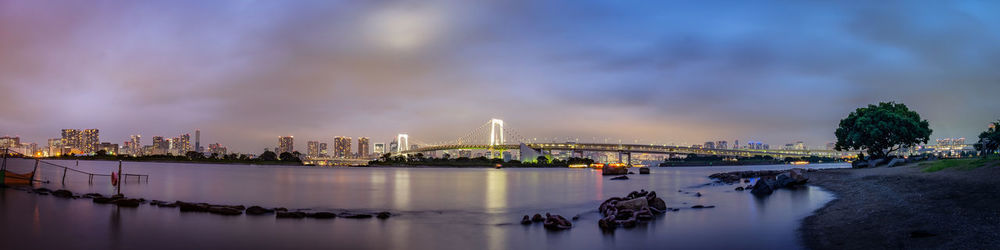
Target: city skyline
{"x":656,"y":72}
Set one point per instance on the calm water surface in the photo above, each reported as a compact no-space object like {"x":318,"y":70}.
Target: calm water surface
{"x":435,"y":208}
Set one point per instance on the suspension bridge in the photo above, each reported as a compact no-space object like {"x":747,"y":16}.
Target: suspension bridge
{"x":495,"y":138}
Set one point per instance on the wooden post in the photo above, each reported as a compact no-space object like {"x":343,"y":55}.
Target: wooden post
{"x":120,"y":177}
{"x":91,"y":181}
{"x":30,"y":181}
{"x":64,"y":175}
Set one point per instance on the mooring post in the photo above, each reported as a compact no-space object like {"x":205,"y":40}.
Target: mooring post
{"x":91,"y":181}
{"x":33,"y":172}
{"x":64,"y":175}
{"x":120,"y":177}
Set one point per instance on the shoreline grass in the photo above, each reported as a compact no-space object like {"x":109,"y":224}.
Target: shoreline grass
{"x":959,"y":164}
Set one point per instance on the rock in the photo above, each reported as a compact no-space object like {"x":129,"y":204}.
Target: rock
{"x":63,"y":193}
{"x":127,"y":202}
{"x":103,"y":200}
{"x":290,"y":215}
{"x":354,"y":216}
{"x":608,"y":170}
{"x":556,"y":222}
{"x":762,"y":187}
{"x":698,"y":194}
{"x":630,"y":172}
{"x":644,"y":170}
{"x":859,"y":164}
{"x":281,"y":209}
{"x":118,"y":196}
{"x":701,"y":206}
{"x":739,"y":189}
{"x":257,"y":210}
{"x":607,"y":223}
{"x":921,"y":234}
{"x":537,"y":218}
{"x":224,"y":210}
{"x":92,"y":195}
{"x":42,"y":190}
{"x":383,"y":215}
{"x":623,"y":177}
{"x":896,"y":162}
{"x":526,"y":220}
{"x":322,"y":215}
{"x":783,"y":180}
{"x":876,"y":162}
{"x":575,"y":217}
{"x":633,"y":204}
{"x":658,"y":205}
{"x":192,"y":207}
{"x":164,"y":204}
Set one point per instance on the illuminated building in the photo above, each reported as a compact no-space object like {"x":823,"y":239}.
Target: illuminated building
{"x":109,"y":148}
{"x":379,"y":149}
{"x":312,"y":148}
{"x":10,"y":142}
{"x":286,"y":144}
{"x":136,"y":145}
{"x":342,"y":146}
{"x":160,"y":146}
{"x":323,"y":150}
{"x":465,"y":153}
{"x":722,"y":145}
{"x":364,"y":149}
{"x":736,"y":144}
{"x":71,"y":139}
{"x":91,"y":140}
{"x":217,"y":149}
{"x":709,"y":145}
{"x":55,"y":146}
{"x":197,"y":140}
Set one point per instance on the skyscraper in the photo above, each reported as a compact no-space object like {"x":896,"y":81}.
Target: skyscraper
{"x":363,"y":147}
{"x":197,"y":140}
{"x":286,"y":144}
{"x":91,"y":140}
{"x":322,"y":150}
{"x":136,"y":145}
{"x":313,"y":148}
{"x":342,"y":146}
{"x":160,"y":146}
{"x":379,"y":149}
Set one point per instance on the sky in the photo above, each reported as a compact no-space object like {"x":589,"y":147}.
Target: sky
{"x":664,"y":72}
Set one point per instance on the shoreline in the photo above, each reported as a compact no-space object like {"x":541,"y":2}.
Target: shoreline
{"x":903,"y":207}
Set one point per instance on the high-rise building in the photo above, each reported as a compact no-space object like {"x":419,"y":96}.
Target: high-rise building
{"x":313,"y":148}
{"x":736,"y":144}
{"x":184,"y":143}
{"x":393,"y":146}
{"x":285,"y":144}
{"x":709,"y":145}
{"x":71,"y":139}
{"x":799,"y":145}
{"x":364,"y":148}
{"x":342,"y":146}
{"x":10,"y":141}
{"x":136,"y":145}
{"x":379,"y":149}
{"x":197,"y":140}
{"x":109,"y":148}
{"x":55,"y":147}
{"x":160,"y":146}
{"x":323,"y":150}
{"x":91,"y":140}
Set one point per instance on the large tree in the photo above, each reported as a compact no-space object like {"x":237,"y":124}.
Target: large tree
{"x":882,"y":129}
{"x":989,"y":140}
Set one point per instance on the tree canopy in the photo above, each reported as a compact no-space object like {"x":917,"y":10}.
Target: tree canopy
{"x":882,"y":129}
{"x":989,"y":140}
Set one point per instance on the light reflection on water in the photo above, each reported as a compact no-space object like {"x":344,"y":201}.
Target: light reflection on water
{"x":437,"y":208}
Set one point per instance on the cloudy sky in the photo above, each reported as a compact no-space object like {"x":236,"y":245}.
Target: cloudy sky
{"x":245,"y":72}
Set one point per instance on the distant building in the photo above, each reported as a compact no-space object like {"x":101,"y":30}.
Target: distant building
{"x":109,"y":148}
{"x":216,"y":148}
{"x":323,"y":150}
{"x":709,"y":145}
{"x":136,"y":145}
{"x":736,"y":144}
{"x":313,"y":148}
{"x":286,"y":144}
{"x":160,"y":146}
{"x":379,"y":149}
{"x":722,"y":145}
{"x":364,"y":147}
{"x":465,"y":153}
{"x":10,"y":142}
{"x":342,"y":146}
{"x":197,"y":141}
{"x":55,"y":147}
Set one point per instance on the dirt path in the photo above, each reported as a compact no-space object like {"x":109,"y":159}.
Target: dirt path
{"x":896,"y":208}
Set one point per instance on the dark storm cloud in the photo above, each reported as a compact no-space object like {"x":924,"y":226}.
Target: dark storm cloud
{"x":247,"y":72}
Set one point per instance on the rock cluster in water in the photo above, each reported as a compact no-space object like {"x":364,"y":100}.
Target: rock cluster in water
{"x":231,"y":210}
{"x":629,"y":211}
{"x":550,"y":222}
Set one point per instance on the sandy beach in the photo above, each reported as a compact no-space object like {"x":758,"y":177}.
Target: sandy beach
{"x":904,"y":208}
